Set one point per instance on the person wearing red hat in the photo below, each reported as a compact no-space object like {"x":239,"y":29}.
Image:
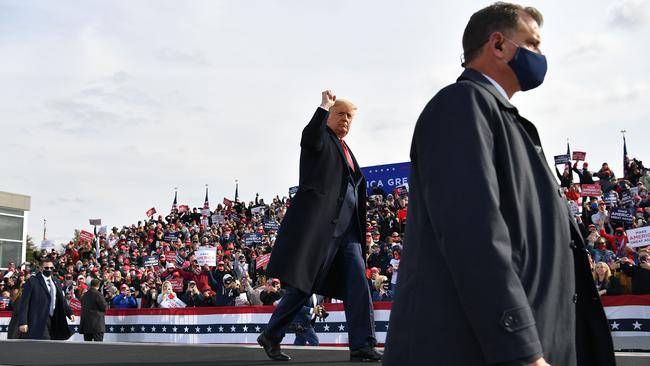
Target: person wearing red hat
{"x":124,"y":300}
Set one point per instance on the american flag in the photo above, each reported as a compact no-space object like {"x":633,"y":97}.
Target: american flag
{"x":175,"y":203}
{"x":206,"y":203}
{"x":626,"y":160}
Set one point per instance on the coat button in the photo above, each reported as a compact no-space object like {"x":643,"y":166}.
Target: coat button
{"x":335,"y":221}
{"x":572,"y":244}
{"x":575,"y":298}
{"x":507,"y":321}
{"x":340,"y":199}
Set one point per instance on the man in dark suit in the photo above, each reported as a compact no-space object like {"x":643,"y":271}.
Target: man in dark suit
{"x":513,"y":287}
{"x":318,"y":247}
{"x":93,"y":309}
{"x":43,"y":307}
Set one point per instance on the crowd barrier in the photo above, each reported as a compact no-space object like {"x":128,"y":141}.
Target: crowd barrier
{"x":628,"y":316}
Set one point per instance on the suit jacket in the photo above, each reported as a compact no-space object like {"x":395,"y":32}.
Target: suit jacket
{"x":35,"y":309}
{"x":306,"y":236}
{"x":93,"y":309}
{"x":507,"y":280}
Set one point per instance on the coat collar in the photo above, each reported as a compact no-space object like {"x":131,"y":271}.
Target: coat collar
{"x":41,"y":281}
{"x":339,"y":147}
{"x":478,"y":78}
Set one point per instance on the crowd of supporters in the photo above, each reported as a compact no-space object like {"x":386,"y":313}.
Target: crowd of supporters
{"x":129,"y":279}
{"x":623,"y":204}
{"x":153,"y":263}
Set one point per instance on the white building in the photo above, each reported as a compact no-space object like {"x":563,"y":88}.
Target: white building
{"x":13,"y":228}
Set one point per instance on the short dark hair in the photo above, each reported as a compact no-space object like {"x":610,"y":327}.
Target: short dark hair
{"x":46,"y":260}
{"x":498,"y":17}
{"x":94,"y":282}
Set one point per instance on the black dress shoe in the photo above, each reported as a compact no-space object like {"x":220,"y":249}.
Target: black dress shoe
{"x":272,"y":349}
{"x":365,"y":354}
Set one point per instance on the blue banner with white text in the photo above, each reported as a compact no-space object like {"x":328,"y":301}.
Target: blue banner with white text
{"x":386,"y":177}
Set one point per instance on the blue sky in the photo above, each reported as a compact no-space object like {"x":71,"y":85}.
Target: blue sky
{"x":108,"y":106}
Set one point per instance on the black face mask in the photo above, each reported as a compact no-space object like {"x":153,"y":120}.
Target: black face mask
{"x":47,"y":273}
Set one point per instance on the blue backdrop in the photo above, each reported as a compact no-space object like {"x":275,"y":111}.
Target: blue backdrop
{"x":387,"y":176}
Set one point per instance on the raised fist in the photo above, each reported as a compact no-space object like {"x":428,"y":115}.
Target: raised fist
{"x":327,"y":99}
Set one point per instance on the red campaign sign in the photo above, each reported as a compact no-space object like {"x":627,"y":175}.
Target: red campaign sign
{"x":590,"y":190}
{"x":579,"y":155}
{"x":262,"y":260}
{"x":150,"y":212}
{"x":177,"y":284}
{"x":170,"y":255}
{"x":183,"y":208}
{"x":75,"y":304}
{"x":227,"y":202}
{"x":86,"y":236}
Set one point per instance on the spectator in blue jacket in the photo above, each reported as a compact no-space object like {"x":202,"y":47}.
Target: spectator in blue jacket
{"x":124,"y":300}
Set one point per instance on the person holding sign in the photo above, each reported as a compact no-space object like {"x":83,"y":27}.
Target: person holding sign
{"x":515,"y":288}
{"x":318,"y":247}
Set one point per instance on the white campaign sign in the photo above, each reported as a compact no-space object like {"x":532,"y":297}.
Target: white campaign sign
{"x":639,"y":237}
{"x":207,"y":256}
{"x":171,"y":303}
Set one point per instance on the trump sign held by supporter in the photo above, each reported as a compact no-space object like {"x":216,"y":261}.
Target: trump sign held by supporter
{"x":562,"y":159}
{"x":207,"y":256}
{"x":262,"y":261}
{"x":386,"y":177}
{"x":590,"y":190}
{"x":151,"y":212}
{"x":86,"y":236}
{"x":639,"y":237}
{"x":579,"y":155}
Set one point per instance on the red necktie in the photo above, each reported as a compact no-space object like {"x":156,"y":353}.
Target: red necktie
{"x":347,"y":154}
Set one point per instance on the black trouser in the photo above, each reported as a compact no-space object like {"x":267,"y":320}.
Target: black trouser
{"x":46,"y":331}
{"x":94,"y":337}
{"x":357,"y":302}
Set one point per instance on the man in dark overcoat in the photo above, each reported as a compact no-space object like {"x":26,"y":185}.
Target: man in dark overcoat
{"x":514,"y":287}
{"x":40,"y":317}
{"x":318,"y":249}
{"x":93,"y":309}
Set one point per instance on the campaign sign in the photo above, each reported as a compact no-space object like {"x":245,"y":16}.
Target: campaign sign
{"x":75,"y":304}
{"x":562,"y":159}
{"x":171,"y":237}
{"x":86,"y":236}
{"x":573,"y":206}
{"x":170,"y":255}
{"x":639,"y":237}
{"x":611,"y":198}
{"x":218,"y":219}
{"x":626,"y":198}
{"x":207,"y":256}
{"x":270,"y":224}
{"x":387,"y":176}
{"x":252,"y":239}
{"x":634,"y":191}
{"x":205,"y":212}
{"x":590,"y":190}
{"x":235,"y":217}
{"x":47,"y":245}
{"x":205,"y":222}
{"x":259,"y":210}
{"x":4,"y":300}
{"x":621,"y":215}
{"x":262,"y":261}
{"x":294,"y":190}
{"x":579,"y":155}
{"x":177,"y":284}
{"x":172,"y":302}
{"x":150,"y":260}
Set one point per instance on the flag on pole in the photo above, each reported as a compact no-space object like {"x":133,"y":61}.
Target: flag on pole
{"x":626,"y":160}
{"x":206,"y":204}
{"x":568,"y":153}
{"x":151,"y":212}
{"x":175,"y":203}
{"x":236,"y":191}
{"x":96,"y":242}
